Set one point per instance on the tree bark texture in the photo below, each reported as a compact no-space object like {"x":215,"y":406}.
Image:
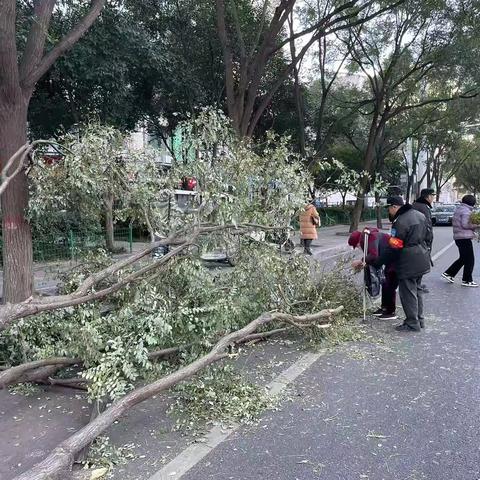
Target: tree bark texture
{"x":19,"y":72}
{"x":17,"y":250}
{"x":109,"y":234}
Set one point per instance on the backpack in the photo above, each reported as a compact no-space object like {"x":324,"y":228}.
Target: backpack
{"x":374,"y":277}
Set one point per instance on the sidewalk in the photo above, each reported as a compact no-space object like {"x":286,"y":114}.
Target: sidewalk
{"x":332,"y":241}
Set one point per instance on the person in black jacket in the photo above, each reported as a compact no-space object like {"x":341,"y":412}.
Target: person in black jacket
{"x":408,"y":251}
{"x":423,"y":204}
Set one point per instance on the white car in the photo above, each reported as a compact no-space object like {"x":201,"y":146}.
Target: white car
{"x":443,"y":214}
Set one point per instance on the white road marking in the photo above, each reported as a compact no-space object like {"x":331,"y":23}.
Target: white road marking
{"x":193,"y":454}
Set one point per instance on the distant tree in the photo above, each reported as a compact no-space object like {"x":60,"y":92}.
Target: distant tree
{"x":467,"y":177}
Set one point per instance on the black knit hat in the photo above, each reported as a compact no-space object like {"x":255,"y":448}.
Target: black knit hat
{"x":395,"y":200}
{"x":426,"y":192}
{"x":469,"y":200}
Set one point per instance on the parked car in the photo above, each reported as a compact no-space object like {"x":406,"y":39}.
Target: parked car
{"x":443,"y":214}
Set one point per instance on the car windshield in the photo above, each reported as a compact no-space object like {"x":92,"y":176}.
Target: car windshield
{"x":444,"y":208}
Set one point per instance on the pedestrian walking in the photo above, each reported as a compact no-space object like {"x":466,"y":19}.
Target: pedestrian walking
{"x":423,"y":204}
{"x":309,"y":221}
{"x":378,"y":243}
{"x":463,"y":233}
{"x":408,"y":252}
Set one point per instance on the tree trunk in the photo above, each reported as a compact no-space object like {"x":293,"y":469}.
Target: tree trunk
{"x":16,"y":233}
{"x":109,"y":238}
{"x":357,"y":212}
{"x":297,"y":93}
{"x":375,"y":132}
{"x":379,"y":211}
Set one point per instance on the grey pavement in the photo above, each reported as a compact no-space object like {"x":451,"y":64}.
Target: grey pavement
{"x":398,"y":407}
{"x":392,"y":407}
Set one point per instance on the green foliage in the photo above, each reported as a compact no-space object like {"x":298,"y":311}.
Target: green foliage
{"x":220,"y":395}
{"x":70,"y":193}
{"x":183,"y":303}
{"x":102,"y":454}
{"x":475,"y":218}
{"x":25,"y":389}
{"x":467,"y":177}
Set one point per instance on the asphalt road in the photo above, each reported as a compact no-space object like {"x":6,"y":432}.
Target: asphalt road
{"x":395,"y":407}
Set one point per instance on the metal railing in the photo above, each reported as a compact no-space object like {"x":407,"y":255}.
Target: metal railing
{"x":73,"y":245}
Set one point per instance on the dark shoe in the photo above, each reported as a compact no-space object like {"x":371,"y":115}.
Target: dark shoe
{"x":448,"y":278}
{"x":422,"y":323}
{"x":379,"y":312}
{"x":424,"y":289}
{"x":307,"y":252}
{"x":470,"y":284}
{"x":407,"y":328}
{"x":388,"y":316}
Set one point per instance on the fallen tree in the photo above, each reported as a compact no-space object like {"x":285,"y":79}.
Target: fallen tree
{"x":40,"y":371}
{"x":118,"y":319}
{"x":59,"y":463}
{"x":85,"y":293}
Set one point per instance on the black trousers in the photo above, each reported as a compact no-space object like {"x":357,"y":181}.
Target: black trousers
{"x":307,"y":244}
{"x":389,"y":291}
{"x":466,"y":260}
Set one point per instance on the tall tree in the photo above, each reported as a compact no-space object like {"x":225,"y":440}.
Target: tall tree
{"x":467,"y":177}
{"x":402,"y":54}
{"x":20,"y":71}
{"x":247,"y":51}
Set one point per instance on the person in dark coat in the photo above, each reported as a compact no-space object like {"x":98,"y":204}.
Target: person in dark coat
{"x":408,"y":251}
{"x":377,"y":244}
{"x":423,"y":204}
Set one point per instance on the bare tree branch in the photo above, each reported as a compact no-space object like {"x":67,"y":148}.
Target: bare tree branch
{"x":33,"y":53}
{"x":17,"y":161}
{"x":16,"y":374}
{"x":65,"y":44}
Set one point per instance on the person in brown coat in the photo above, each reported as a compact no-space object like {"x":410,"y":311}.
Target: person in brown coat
{"x":309,"y":221}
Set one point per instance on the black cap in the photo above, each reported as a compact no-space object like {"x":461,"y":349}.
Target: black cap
{"x":426,"y":192}
{"x":395,"y":200}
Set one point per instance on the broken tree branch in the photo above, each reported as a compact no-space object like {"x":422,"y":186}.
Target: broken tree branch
{"x":10,"y":313}
{"x":16,"y":374}
{"x":41,"y":370}
{"x":17,"y":162}
{"x":59,"y":462}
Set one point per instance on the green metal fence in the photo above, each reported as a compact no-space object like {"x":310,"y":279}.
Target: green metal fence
{"x":333,"y":216}
{"x":73,"y":245}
